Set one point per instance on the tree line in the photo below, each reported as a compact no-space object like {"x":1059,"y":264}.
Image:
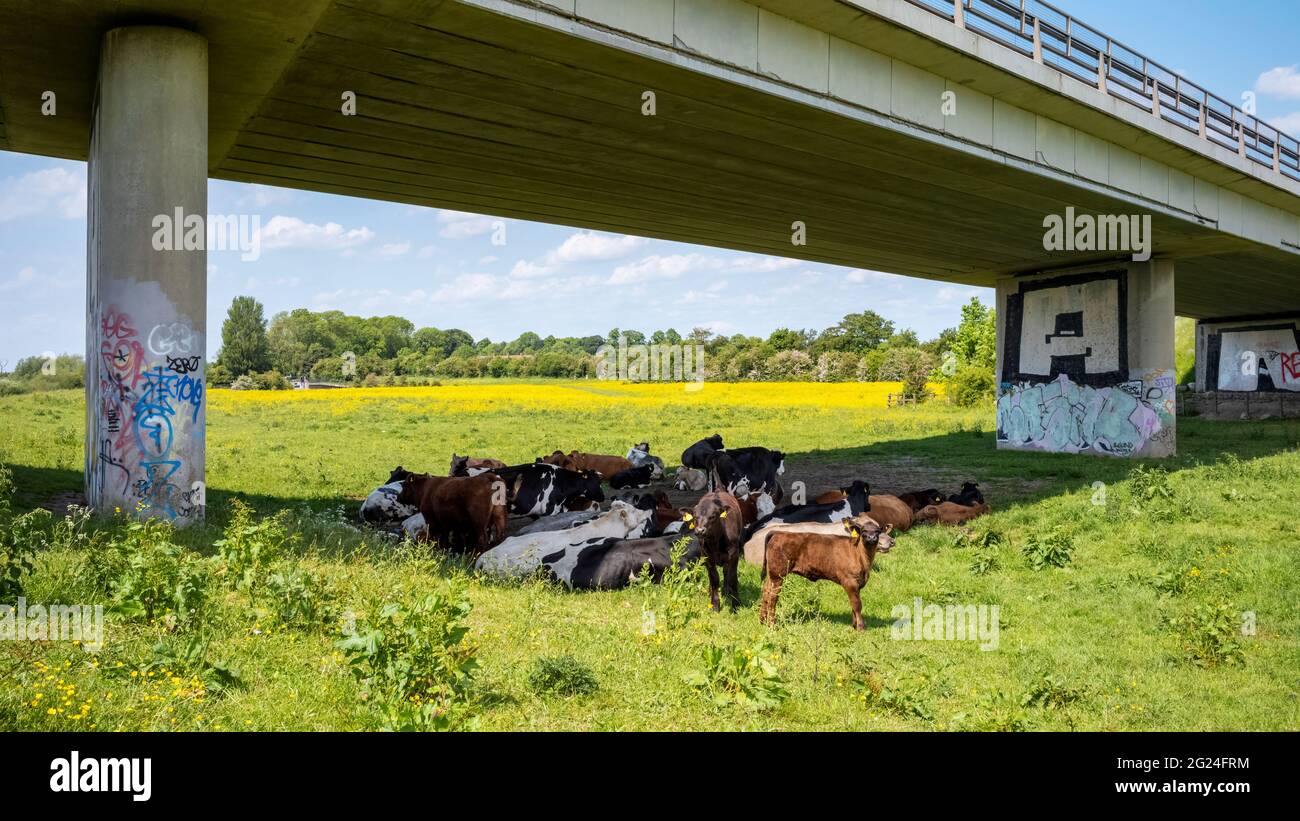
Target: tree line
{"x":332,"y":346}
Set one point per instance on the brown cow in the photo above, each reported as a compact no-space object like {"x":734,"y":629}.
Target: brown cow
{"x":845,"y":560}
{"x":469,"y":466}
{"x":606,"y":466}
{"x":461,"y":513}
{"x":950,"y":513}
{"x":719,"y":527}
{"x":887,"y":510}
{"x":755,"y":506}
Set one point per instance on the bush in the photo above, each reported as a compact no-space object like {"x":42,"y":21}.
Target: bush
{"x":415,"y":663}
{"x":271,"y":381}
{"x":20,"y":538}
{"x":971,"y":385}
{"x":1210,"y":634}
{"x":249,"y":548}
{"x":219,"y":376}
{"x":744,"y":676}
{"x":790,"y":366}
{"x":243,"y":383}
{"x":1051,"y":550}
{"x":148,"y":578}
{"x":837,"y":366}
{"x":294,"y":596}
{"x":562,"y":676}
{"x":911,"y":366}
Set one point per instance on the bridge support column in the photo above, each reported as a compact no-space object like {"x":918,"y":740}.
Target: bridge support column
{"x":146,"y":275}
{"x":1247,"y":367}
{"x":1086,"y":361}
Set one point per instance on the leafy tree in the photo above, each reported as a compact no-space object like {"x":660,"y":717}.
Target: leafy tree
{"x":244,"y":346}
{"x":784,"y":339}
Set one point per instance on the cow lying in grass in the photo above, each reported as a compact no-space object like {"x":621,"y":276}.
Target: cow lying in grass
{"x":844,"y":559}
{"x":885,"y":509}
{"x":857,"y":501}
{"x":461,"y":513}
{"x":639,"y":455}
{"x":381,"y":507}
{"x":950,"y":513}
{"x":469,"y":466}
{"x":967,"y":496}
{"x":520,"y":555}
{"x":917,"y":499}
{"x":719,"y":524}
{"x":612,"y":564}
{"x":603,"y":464}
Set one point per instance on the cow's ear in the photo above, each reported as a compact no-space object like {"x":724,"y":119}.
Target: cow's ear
{"x":848,"y":526}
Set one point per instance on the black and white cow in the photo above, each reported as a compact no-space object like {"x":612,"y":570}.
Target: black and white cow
{"x":747,"y":470}
{"x":611,"y":564}
{"x":539,"y":489}
{"x":520,"y":555}
{"x":640,"y":455}
{"x":381,"y":507}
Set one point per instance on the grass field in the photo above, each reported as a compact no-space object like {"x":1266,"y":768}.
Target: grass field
{"x":1141,"y":628}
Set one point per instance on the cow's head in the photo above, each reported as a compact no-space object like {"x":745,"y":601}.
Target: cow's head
{"x":714,"y":441}
{"x":868,"y":534}
{"x":556,"y":458}
{"x":398,"y":474}
{"x":459,"y":465}
{"x":412,"y":488}
{"x":644,"y":447}
{"x":859,"y":496}
{"x":711,"y":515}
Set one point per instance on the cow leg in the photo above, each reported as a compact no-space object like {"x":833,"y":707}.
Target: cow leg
{"x":713,"y":586}
{"x":731,"y":581}
{"x":771,"y":592}
{"x":855,"y":603}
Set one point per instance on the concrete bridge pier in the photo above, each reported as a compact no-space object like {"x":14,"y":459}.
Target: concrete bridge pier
{"x":146,"y":272}
{"x":1086,"y":360}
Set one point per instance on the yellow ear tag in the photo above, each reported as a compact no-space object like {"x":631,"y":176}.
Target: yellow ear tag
{"x":855,"y":533}
{"x":722,"y":515}
{"x":692,"y":525}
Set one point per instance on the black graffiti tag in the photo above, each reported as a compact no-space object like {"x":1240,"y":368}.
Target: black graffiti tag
{"x":183,"y":364}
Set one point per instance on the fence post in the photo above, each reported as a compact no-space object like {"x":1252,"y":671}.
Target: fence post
{"x":1038,"y":41}
{"x":959,"y":13}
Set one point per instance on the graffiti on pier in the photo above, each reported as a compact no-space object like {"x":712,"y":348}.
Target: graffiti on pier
{"x":1264,"y":358}
{"x":143,"y":407}
{"x":1061,"y":416}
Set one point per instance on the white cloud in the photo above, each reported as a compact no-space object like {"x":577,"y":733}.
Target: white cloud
{"x":672,"y":266}
{"x":460,"y":224}
{"x":394,"y":249}
{"x":577,"y":248}
{"x":291,"y":232}
{"x":260,"y":196}
{"x":1282,"y":82}
{"x":427,"y":251}
{"x":50,"y":189}
{"x":1288,"y":123}
{"x":25,"y":277}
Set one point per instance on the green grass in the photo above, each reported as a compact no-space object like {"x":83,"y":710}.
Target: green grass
{"x":1088,"y":646}
{"x":1185,"y":350}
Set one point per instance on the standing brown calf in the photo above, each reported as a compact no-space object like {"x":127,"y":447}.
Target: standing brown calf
{"x":461,"y":512}
{"x":843,"y":559}
{"x":719,"y":527}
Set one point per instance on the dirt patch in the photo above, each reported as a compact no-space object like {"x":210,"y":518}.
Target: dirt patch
{"x":59,"y":503}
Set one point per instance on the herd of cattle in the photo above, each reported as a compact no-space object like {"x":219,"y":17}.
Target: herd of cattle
{"x":576,"y":540}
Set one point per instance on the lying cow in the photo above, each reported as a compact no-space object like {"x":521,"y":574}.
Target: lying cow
{"x":639,"y":455}
{"x":756,"y":506}
{"x":611,"y":564}
{"x":559,"y":521}
{"x":469,"y":466}
{"x":540,"y":489}
{"x":917,"y":499}
{"x":857,"y":501}
{"x":719,"y":525}
{"x":845,"y":559}
{"x":602,"y":464}
{"x":697,"y":455}
{"x":461,"y":513}
{"x":381,"y":507}
{"x":632,"y":477}
{"x":691,"y":479}
{"x":950,"y":513}
{"x":521,"y":555}
{"x":887,"y":510}
{"x":968,"y":495}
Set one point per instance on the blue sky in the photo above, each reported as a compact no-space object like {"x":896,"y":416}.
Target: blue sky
{"x":441,"y":268}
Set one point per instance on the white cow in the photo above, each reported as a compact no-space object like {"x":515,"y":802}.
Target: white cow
{"x":382,"y":509}
{"x":521,"y":555}
{"x":560,"y":521}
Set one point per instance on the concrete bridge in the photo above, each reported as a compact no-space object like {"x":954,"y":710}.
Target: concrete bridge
{"x":989,"y":142}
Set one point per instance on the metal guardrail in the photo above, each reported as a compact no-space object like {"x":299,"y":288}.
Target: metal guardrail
{"x":1049,"y":36}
